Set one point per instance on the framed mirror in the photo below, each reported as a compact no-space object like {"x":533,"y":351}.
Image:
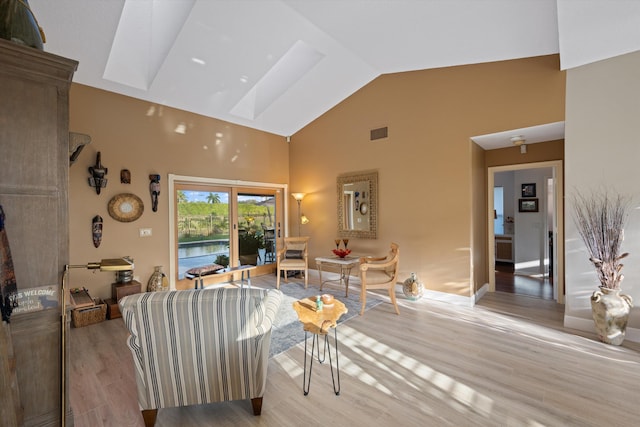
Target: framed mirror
{"x":358,"y":205}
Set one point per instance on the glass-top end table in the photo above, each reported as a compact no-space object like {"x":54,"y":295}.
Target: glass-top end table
{"x":319,"y":323}
{"x":343,"y":264}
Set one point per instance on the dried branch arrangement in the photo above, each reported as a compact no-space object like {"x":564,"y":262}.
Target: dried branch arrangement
{"x":600,"y":218}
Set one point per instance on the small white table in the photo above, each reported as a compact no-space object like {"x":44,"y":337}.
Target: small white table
{"x":343,"y":264}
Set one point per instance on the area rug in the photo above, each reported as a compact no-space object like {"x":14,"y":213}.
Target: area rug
{"x":287,"y":330}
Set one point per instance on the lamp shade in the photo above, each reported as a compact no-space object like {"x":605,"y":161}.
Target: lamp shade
{"x":298,"y":196}
{"x":112,"y":264}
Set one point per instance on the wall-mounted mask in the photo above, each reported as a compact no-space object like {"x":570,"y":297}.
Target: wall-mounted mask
{"x":98,"y":172}
{"x":154,"y":189}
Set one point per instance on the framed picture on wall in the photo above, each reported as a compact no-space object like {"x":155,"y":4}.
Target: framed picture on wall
{"x":528,"y":205}
{"x":528,"y":190}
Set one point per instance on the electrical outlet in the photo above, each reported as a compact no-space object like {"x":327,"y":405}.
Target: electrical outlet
{"x":145,"y":232}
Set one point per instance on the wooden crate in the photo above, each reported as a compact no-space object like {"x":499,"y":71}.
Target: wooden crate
{"x":89,"y":315}
{"x":113,"y":310}
{"x":120,"y":290}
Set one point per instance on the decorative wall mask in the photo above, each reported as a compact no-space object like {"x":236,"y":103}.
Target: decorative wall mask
{"x":98,"y":172}
{"x":154,"y":189}
{"x":96,"y":230}
{"x":125,"y":176}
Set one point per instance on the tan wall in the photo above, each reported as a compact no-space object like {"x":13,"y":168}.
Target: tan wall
{"x":539,"y":152}
{"x":428,"y":172}
{"x":426,"y":168}
{"x":139,"y":136}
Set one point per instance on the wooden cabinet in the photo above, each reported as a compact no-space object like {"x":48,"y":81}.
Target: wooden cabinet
{"x":504,"y":248}
{"x":34,"y":174}
{"x":118,"y":291}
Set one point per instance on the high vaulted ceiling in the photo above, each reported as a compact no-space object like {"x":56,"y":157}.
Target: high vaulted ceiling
{"x":276,"y":65}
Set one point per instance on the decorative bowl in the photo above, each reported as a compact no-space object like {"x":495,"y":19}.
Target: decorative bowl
{"x":327,"y":299}
{"x":341,"y":252}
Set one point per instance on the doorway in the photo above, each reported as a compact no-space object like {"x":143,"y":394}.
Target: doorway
{"x":536,"y":226}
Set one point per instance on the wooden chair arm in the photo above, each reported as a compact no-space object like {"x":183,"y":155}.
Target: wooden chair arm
{"x":365,"y":259}
{"x":378,"y":265}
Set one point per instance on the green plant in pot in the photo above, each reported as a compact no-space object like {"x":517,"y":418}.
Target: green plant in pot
{"x":600,"y":218}
{"x":248,"y":245}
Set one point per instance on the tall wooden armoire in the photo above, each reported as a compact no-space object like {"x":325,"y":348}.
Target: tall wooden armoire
{"x":34,"y":180}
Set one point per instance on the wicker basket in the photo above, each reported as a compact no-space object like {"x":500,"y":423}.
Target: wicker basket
{"x":89,"y":315}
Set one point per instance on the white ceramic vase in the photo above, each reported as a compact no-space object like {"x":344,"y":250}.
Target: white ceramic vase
{"x":413,"y":288}
{"x":610,"y":314}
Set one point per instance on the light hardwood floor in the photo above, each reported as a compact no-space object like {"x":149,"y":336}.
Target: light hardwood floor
{"x":535,"y":286}
{"x":505,"y":362}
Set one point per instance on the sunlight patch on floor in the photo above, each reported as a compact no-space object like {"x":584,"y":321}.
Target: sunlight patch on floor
{"x":388,"y":360}
{"x":290,"y":365}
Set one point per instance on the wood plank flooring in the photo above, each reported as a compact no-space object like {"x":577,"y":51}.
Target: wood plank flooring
{"x":508,"y":361}
{"x":507,"y":281}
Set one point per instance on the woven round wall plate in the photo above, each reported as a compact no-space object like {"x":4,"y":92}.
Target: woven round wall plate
{"x":125,"y":207}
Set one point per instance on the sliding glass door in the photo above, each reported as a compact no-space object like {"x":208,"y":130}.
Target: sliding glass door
{"x":221,"y":222}
{"x":257,"y":212}
{"x":203,"y":226}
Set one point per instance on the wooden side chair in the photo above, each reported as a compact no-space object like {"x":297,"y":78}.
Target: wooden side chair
{"x":293,"y":256}
{"x":380,"y":273}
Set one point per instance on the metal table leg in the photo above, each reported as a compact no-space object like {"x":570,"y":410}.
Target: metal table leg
{"x":345,"y":272}
{"x":319,"y":265}
{"x":335,"y":390}
{"x":306,"y":385}
{"x":315,"y":342}
{"x":248,"y":278}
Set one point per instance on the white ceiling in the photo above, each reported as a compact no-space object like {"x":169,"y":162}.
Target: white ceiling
{"x":276,"y":65}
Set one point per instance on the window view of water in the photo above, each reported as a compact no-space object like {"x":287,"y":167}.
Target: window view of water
{"x":204,"y":226}
{"x":196,"y":254}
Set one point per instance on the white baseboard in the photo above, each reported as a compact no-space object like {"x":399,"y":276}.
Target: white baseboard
{"x":450,"y":298}
{"x":586,"y":325}
{"x":483,"y":290}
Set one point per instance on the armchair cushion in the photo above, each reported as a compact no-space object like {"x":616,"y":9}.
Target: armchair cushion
{"x":203,"y":271}
{"x":293,"y":254}
{"x":375,"y":277}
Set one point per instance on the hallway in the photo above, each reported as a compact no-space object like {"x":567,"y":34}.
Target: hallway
{"x":506,"y":281}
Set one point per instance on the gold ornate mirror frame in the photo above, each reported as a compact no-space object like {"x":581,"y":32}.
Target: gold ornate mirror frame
{"x":358,"y":205}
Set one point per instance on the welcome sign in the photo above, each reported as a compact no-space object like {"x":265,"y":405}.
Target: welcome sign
{"x":36,"y":299}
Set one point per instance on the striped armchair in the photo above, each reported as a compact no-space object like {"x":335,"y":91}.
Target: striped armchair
{"x":199,"y":346}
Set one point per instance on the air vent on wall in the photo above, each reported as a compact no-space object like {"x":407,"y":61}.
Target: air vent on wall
{"x":379,"y":133}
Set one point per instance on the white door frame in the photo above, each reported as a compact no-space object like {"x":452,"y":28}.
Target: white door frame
{"x":558,"y":229}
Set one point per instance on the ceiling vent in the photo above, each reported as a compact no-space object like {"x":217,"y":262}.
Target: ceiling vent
{"x":379,"y":133}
